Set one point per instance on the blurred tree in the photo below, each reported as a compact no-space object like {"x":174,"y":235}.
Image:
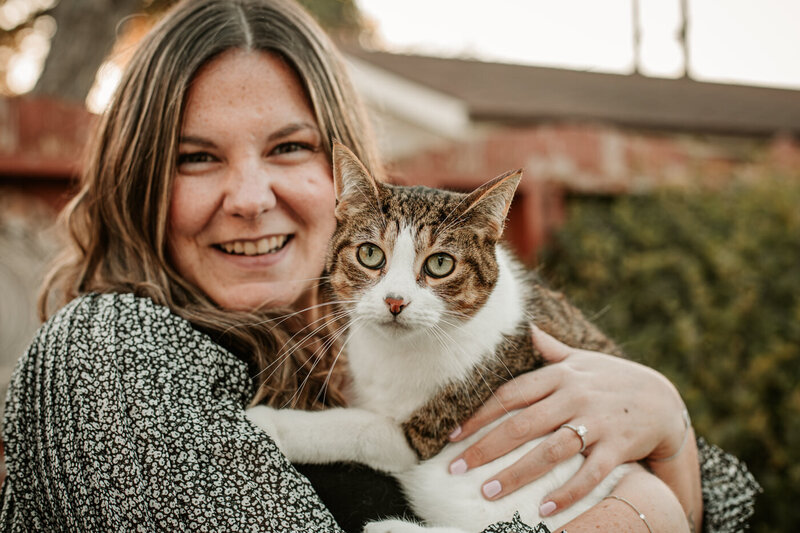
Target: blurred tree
{"x":82,"y":34}
{"x":340,"y":18}
{"x":85,"y":34}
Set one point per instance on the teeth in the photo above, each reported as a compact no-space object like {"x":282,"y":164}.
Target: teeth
{"x":266,"y":245}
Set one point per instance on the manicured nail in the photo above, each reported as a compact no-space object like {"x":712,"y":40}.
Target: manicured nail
{"x":458,"y":467}
{"x":456,"y":432}
{"x":492,"y":488}
{"x":547,"y":508}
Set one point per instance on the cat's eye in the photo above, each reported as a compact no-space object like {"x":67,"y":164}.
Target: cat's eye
{"x":440,"y":265}
{"x":370,"y":256}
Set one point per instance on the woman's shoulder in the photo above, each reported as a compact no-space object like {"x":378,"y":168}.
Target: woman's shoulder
{"x":112,"y":312}
{"x":132,"y":340}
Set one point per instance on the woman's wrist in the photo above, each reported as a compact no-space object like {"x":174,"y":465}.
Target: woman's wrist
{"x":675,"y":424}
{"x":638,"y":493}
{"x":681,"y":473}
{"x":655,"y":457}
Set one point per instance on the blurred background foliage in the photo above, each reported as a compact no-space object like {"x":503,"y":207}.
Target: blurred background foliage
{"x":705,"y":287}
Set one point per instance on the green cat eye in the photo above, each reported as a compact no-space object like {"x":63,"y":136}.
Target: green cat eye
{"x":440,"y":265}
{"x":370,"y":256}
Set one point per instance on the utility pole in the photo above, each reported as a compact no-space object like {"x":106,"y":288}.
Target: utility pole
{"x":637,"y":38}
{"x":682,"y":36}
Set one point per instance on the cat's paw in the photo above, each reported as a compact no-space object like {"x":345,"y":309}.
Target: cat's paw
{"x":403,"y":526}
{"x":393,"y":526}
{"x":267,"y":419}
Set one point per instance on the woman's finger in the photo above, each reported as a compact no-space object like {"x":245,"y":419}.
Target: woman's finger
{"x":594,"y":469}
{"x":523,"y":426}
{"x":552,"y":349}
{"x":522,"y":391}
{"x":553,"y":450}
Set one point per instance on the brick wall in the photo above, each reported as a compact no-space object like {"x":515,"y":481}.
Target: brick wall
{"x":583,"y":158}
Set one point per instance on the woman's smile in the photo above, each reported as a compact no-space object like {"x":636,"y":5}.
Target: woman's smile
{"x":262,"y":246}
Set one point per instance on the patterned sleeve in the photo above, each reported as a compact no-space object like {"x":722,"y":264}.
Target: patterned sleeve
{"x":121,"y":417}
{"x":729,"y":490}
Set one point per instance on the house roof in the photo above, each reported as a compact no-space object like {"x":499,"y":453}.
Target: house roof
{"x":498,"y":92}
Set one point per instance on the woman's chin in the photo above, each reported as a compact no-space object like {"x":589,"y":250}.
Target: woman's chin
{"x":254,"y":297}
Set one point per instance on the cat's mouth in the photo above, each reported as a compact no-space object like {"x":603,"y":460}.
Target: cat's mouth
{"x":267,"y":245}
{"x":394,"y":325}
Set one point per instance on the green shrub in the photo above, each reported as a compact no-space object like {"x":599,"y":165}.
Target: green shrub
{"x":704,"y":287}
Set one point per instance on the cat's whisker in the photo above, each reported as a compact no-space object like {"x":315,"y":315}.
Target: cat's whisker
{"x":324,"y":388}
{"x":331,"y":339}
{"x":338,"y":354}
{"x":328,"y":319}
{"x":283,"y":318}
{"x":438,"y":334}
{"x":284,"y":355}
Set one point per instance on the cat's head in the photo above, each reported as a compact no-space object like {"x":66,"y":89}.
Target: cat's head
{"x":408,"y":259}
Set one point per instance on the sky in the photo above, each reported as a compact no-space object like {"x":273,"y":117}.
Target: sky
{"x":753,"y":42}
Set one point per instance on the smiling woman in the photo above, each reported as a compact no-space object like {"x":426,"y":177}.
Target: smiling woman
{"x":252,"y":203}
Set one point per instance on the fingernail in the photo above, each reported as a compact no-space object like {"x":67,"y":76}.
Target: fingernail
{"x":458,"y":467}
{"x":492,"y":488}
{"x":547,"y":508}
{"x":456,"y":432}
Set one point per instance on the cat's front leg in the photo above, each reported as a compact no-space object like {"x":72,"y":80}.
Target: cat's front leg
{"x":402,"y":526}
{"x":339,"y":434}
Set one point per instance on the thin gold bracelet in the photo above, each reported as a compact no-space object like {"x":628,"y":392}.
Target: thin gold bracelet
{"x":687,"y":423}
{"x":641,"y":515}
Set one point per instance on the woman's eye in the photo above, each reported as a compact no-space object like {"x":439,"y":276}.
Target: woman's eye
{"x":288,"y":147}
{"x":439,"y":265}
{"x":195,"y":157}
{"x":370,"y":256}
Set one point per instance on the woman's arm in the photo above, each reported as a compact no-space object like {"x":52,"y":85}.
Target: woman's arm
{"x":640,"y":503}
{"x":680,"y":471}
{"x":121,"y":417}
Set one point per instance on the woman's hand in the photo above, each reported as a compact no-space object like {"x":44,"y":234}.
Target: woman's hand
{"x":631,"y":412}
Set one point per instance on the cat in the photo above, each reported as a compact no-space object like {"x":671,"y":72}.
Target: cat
{"x":439,"y":315}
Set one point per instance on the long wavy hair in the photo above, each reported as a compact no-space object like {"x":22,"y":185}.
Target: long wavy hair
{"x":117,"y":223}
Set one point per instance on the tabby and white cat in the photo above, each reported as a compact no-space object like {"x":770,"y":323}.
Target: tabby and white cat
{"x":439,"y":317}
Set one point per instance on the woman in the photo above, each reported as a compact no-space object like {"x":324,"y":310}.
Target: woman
{"x":204,"y":213}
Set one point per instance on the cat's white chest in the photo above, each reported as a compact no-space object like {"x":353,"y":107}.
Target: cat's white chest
{"x":392,"y":378}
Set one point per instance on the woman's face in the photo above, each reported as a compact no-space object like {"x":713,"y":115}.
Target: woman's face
{"x":252,"y":202}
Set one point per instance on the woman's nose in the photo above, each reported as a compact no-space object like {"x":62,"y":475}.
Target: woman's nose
{"x":249,"y":191}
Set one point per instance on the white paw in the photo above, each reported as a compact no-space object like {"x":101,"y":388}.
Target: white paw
{"x":393,"y":526}
{"x":266,"y":418}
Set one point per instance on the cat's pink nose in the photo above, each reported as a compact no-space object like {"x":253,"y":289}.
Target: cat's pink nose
{"x":395,"y":305}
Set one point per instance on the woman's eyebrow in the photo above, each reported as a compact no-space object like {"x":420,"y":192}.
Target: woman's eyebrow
{"x":285,"y":131}
{"x":290,"y":129}
{"x":191,"y":139}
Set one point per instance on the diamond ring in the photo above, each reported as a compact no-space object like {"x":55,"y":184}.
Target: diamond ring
{"x":580,"y":431}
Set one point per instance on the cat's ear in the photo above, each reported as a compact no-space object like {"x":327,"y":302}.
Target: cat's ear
{"x":493,"y":199}
{"x":352,"y":183}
